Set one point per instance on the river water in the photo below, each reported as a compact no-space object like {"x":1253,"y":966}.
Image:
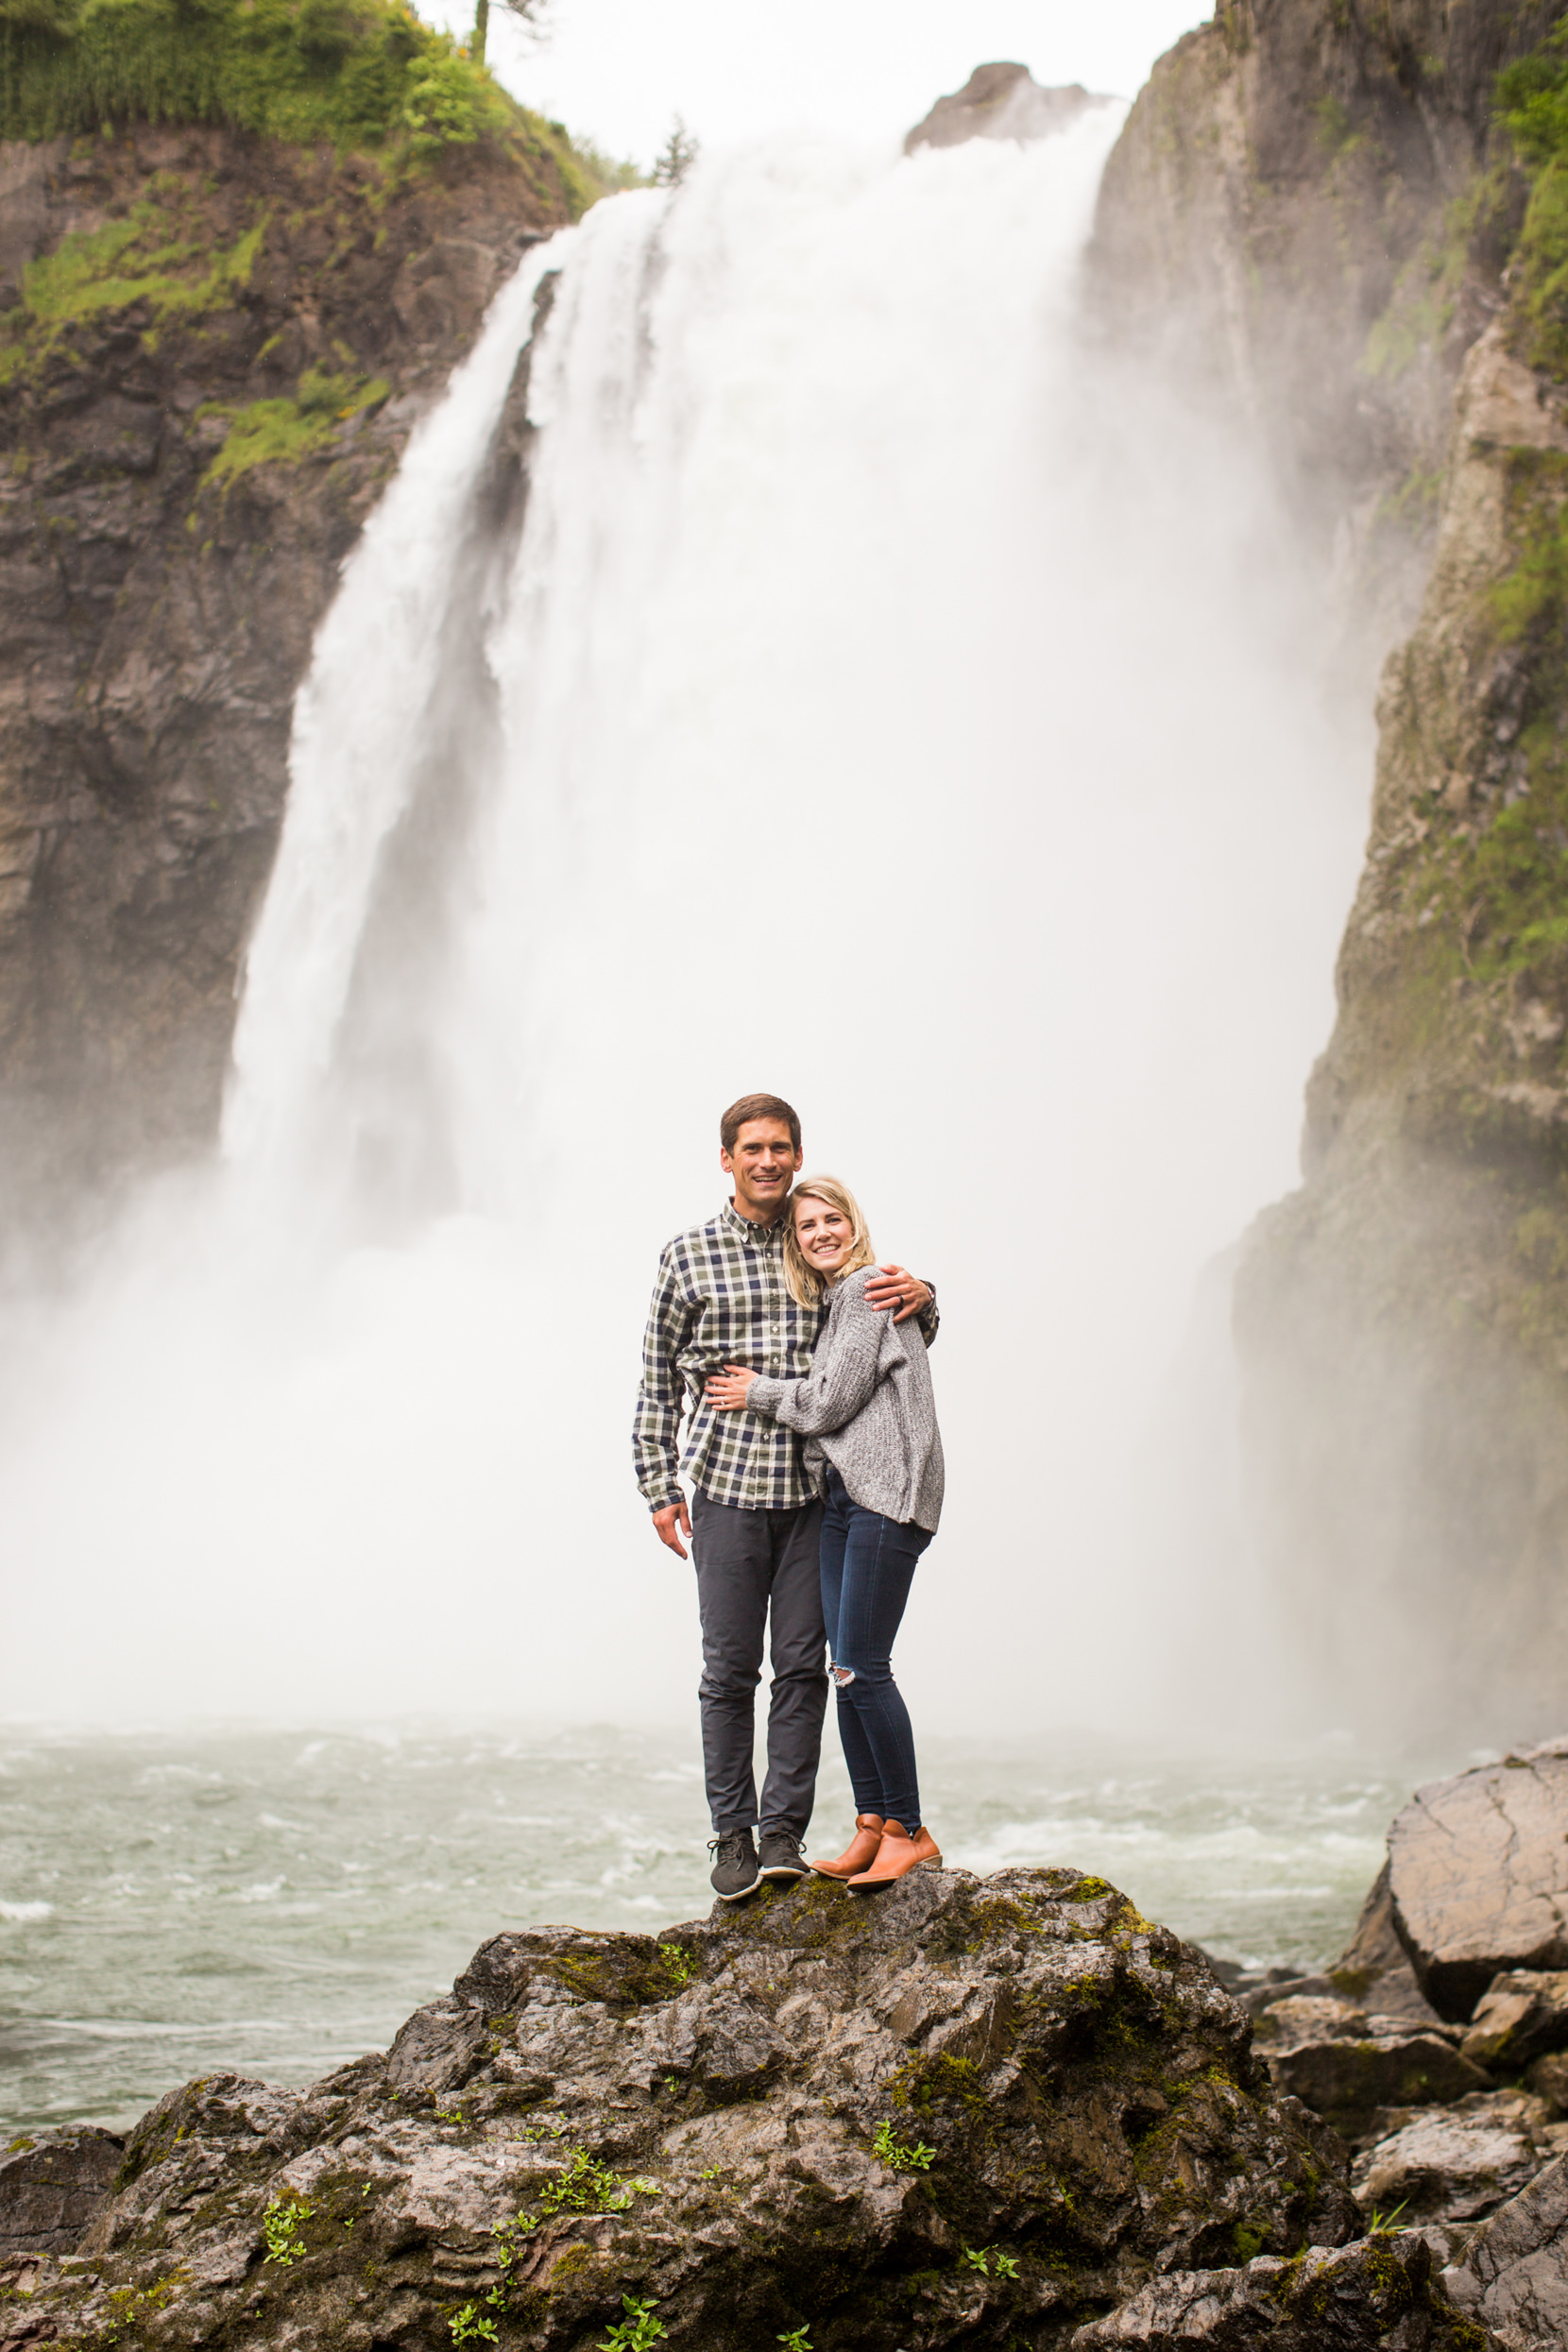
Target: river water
{"x":275,"y":1902}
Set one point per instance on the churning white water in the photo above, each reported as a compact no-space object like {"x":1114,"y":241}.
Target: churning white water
{"x":885,"y":705}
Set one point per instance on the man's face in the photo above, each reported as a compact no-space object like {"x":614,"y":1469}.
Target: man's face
{"x":764,"y":1164}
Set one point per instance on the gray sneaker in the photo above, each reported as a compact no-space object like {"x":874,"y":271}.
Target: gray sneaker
{"x":781,"y":1856}
{"x":735,"y":1872}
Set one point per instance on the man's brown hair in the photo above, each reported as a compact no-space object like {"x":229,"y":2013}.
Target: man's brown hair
{"x":757,"y":1106}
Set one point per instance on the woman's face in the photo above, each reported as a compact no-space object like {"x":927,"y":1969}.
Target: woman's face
{"x":824,"y":1234}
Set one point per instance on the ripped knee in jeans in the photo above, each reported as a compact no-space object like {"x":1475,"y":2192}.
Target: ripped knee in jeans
{"x":843,"y":1676}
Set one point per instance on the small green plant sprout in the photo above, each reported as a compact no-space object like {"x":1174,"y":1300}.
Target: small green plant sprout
{"x":1006,"y":2266}
{"x":638,"y":2331}
{"x":901,"y":2155}
{"x":974,"y":2257}
{"x":470,"y":2325}
{"x":798,"y":2339}
{"x":1382,"y":2224}
{"x":281,"y":2228}
{"x":678,"y":1963}
{"x":585,"y":2186}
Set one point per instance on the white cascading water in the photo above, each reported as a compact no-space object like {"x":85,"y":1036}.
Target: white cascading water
{"x":886,"y":706}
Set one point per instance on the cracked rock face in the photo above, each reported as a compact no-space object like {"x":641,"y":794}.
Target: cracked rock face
{"x":1478,"y":1876}
{"x":987,"y":2110}
{"x":1514,"y":2277}
{"x":52,"y":2186}
{"x":1458,"y":2163}
{"x":1377,"y":2292}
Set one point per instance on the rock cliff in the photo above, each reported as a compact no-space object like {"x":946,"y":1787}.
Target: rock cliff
{"x":1346,"y":227}
{"x":214,"y":344}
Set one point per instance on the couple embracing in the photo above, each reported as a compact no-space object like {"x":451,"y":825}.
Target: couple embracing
{"x":813,"y":1450}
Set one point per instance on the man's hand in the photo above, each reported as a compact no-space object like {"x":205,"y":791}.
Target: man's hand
{"x":889,"y":1285}
{"x":665,"y":1522}
{"x":726,"y":1390}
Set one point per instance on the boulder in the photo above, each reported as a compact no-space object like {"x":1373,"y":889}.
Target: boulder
{"x":1000,"y":101}
{"x":1478,"y":1876}
{"x":1374,"y":1967}
{"x":51,"y":2186}
{"x":1521,"y":2017}
{"x":1346,"y":2063}
{"x":1514,"y":2276}
{"x":1378,"y":2292}
{"x":1548,"y":2079}
{"x":971,"y":2110}
{"x":1458,"y":2163}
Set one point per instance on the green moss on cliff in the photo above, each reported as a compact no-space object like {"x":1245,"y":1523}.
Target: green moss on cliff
{"x":352,"y":73}
{"x":1427,"y":292}
{"x":1514,"y":874}
{"x":284,"y":432}
{"x":1533,"y":99}
{"x":159,"y":259}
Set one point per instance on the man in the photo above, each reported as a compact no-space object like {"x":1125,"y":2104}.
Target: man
{"x":720,"y":1298}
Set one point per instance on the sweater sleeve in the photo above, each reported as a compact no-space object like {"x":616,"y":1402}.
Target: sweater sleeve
{"x":840,"y":1381}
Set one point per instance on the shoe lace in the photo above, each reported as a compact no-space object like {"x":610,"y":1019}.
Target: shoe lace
{"x":731,"y":1845}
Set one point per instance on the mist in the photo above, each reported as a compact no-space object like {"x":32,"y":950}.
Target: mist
{"x":888,"y":703}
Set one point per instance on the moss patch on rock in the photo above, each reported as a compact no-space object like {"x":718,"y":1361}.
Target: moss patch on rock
{"x":285,"y":432}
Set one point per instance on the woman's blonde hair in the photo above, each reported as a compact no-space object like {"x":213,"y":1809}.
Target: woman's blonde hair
{"x":806,"y":1286}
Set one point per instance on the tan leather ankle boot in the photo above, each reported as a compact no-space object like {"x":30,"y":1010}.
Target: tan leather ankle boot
{"x":897,"y":1855}
{"x":859,"y":1854}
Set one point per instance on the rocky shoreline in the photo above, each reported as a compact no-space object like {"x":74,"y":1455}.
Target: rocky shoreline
{"x":1006,"y":2111}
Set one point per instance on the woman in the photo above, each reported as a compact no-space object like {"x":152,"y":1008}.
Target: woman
{"x":875,"y":1455}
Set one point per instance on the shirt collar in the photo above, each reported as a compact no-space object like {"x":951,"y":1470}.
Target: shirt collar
{"x":747,"y":1227}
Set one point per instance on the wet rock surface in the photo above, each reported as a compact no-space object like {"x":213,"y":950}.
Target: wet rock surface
{"x":987,"y":2110}
{"x":1457,"y":2163}
{"x":1379,"y":2290}
{"x":1479,"y":1880}
{"x":1520,"y":2017}
{"x":51,"y":2186}
{"x":1349,"y":2074}
{"x":1514,"y":2276}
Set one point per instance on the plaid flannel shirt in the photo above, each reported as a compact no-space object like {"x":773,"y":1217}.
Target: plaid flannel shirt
{"x":721,"y":1299}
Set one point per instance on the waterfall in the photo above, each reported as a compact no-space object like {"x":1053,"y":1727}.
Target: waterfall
{"x":882,"y":703}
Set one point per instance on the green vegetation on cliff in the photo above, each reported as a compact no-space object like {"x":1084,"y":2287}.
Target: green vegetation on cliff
{"x":269,"y":432}
{"x":1532,"y":98}
{"x":159,"y":258}
{"x":362,"y":75}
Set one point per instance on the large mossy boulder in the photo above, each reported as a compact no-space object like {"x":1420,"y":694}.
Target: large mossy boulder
{"x":988,"y":2110}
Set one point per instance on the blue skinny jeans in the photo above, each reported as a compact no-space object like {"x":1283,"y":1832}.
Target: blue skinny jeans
{"x":868,"y":1565}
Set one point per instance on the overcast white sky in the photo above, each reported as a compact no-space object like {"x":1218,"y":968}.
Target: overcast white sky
{"x":618,"y":71}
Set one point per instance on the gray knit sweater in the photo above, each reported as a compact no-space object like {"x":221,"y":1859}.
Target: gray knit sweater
{"x":866,"y":1404}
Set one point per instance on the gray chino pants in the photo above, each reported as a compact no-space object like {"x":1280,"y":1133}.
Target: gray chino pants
{"x":752,"y":1565}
